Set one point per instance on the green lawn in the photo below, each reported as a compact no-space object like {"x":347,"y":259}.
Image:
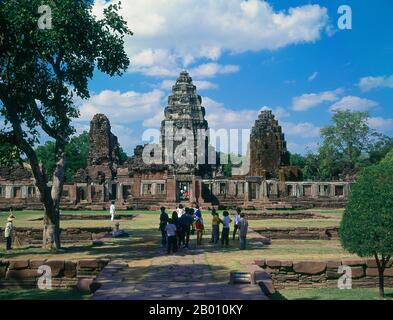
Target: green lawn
{"x":331,"y":294}
{"x":145,"y":239}
{"x":36,"y":294}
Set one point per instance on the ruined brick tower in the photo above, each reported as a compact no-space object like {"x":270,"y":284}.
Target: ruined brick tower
{"x":103,"y":150}
{"x":268,"y":148}
{"x":184,"y":111}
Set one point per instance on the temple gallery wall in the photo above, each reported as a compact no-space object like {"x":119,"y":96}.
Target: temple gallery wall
{"x":269,"y":183}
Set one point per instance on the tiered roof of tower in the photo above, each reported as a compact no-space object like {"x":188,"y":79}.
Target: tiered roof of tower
{"x":268,"y":146}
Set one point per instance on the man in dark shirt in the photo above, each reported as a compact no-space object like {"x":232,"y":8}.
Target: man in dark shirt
{"x":163,"y":222}
{"x":185,"y":223}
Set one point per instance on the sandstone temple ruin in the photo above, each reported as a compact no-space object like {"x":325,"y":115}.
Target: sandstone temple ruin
{"x":270,"y":181}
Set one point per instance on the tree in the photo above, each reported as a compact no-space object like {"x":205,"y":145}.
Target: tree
{"x":76,"y":153}
{"x":43,"y":70}
{"x":388,"y":160}
{"x":349,"y":137}
{"x":9,"y":155}
{"x":367,"y":224}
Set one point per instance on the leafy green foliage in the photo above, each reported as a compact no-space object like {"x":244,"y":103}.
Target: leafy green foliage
{"x":388,"y":158}
{"x":367,"y":224}
{"x":9,"y":155}
{"x":348,"y":145}
{"x":76,"y":151}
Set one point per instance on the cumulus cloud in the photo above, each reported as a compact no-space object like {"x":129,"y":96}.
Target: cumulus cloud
{"x":381,"y":124}
{"x":169,"y":35}
{"x":370,"y":83}
{"x":303,"y":130}
{"x":312,"y":100}
{"x":353,"y":103}
{"x":209,"y":70}
{"x":126,"y":107}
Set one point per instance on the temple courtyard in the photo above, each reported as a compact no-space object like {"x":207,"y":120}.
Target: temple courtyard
{"x":138,"y":267}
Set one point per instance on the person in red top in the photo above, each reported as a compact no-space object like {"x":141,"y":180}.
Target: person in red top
{"x":199,"y":229}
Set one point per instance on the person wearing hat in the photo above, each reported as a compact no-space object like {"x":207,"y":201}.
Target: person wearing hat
{"x":9,"y":228}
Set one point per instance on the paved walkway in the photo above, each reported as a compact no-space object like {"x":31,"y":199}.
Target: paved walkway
{"x":184,"y":276}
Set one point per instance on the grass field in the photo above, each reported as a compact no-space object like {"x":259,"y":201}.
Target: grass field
{"x":331,"y":294}
{"x":145,"y":238}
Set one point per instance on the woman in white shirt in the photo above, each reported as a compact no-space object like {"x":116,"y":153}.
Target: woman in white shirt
{"x":112,"y":210}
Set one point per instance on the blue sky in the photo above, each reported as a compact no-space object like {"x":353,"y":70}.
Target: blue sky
{"x":246,"y":55}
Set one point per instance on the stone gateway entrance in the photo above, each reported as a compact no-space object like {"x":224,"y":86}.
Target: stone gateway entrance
{"x":183,"y":191}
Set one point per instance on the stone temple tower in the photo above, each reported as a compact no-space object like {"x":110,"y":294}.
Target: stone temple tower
{"x":184,"y":111}
{"x":268,"y":148}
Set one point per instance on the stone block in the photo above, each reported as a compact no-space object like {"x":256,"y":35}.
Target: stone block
{"x":57,"y":267}
{"x":357,"y":272}
{"x":333,"y":265}
{"x":69,"y":269}
{"x":18,"y":264}
{"x":267,"y":287}
{"x":261,"y":263}
{"x":309,"y":267}
{"x":87,"y":285}
{"x":35,"y":264}
{"x":352,"y":262}
{"x":333,"y":275}
{"x":372,"y":272}
{"x":286,"y":264}
{"x":21,"y":274}
{"x":273,"y":263}
{"x":90,"y":263}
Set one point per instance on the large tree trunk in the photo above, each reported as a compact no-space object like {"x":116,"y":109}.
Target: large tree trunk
{"x":51,"y":234}
{"x":381,"y":264}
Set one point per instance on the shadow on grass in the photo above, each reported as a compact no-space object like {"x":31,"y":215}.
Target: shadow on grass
{"x":36,"y":294}
{"x":142,"y":244}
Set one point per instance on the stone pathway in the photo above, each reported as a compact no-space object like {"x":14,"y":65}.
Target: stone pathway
{"x":184,"y":276}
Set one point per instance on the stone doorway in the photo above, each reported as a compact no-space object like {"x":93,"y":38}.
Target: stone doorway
{"x":183,"y":191}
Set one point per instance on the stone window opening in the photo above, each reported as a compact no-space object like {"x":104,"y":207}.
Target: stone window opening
{"x":2,"y":192}
{"x":290,"y":191}
{"x":239,"y":189}
{"x":223,"y":188}
{"x":146,"y":189}
{"x":160,"y":188}
{"x":81,"y":192}
{"x":31,"y":192}
{"x":126,"y":192}
{"x":339,"y":191}
{"x":17,"y":192}
{"x":307,"y":191}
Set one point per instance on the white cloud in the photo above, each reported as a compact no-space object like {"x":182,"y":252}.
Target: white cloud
{"x":169,"y":35}
{"x":313,"y":76}
{"x":201,"y":85}
{"x":353,"y":103}
{"x":124,"y":107}
{"x":303,"y":130}
{"x":209,"y":70}
{"x":370,"y":83}
{"x":311,"y":100}
{"x":381,"y":124}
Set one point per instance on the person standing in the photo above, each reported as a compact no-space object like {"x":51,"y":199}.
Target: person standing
{"x":237,"y":221}
{"x":175,"y":221}
{"x":226,"y":228}
{"x":185,"y":223}
{"x":243,"y":229}
{"x":199,"y":227}
{"x":215,"y":227}
{"x":180,"y":211}
{"x":163,"y":222}
{"x":8,"y":232}
{"x":112,"y":210}
{"x":170,"y":230}
{"x":197,"y":211}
